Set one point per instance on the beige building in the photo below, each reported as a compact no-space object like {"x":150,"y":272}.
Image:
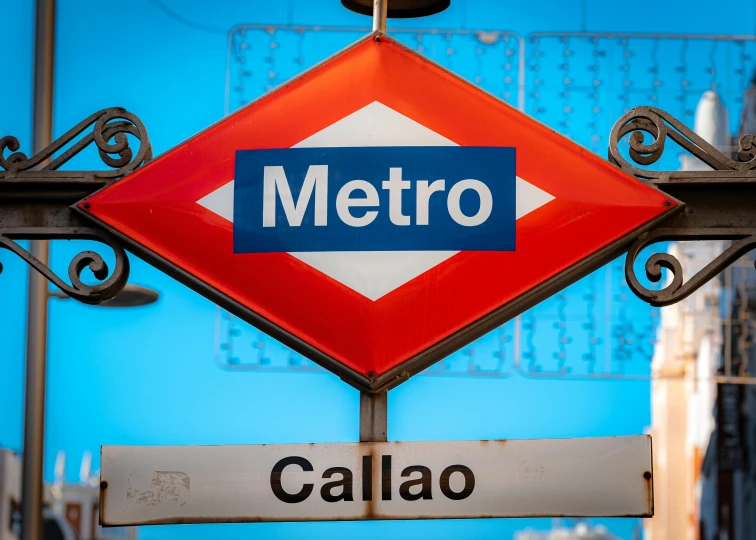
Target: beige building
{"x":682,"y":397}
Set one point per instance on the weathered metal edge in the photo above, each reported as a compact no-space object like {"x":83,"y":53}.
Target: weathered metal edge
{"x":496,"y":318}
{"x":201,"y":520}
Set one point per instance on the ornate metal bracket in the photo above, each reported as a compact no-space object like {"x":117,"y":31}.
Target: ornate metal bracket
{"x":35,"y":198}
{"x":716,"y":204}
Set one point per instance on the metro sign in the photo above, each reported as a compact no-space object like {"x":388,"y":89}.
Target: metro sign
{"x":377,"y":213}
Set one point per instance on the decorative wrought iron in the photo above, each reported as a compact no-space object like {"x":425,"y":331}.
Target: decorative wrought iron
{"x":35,"y":198}
{"x":711,"y":211}
{"x":104,"y":130}
{"x":657,"y":123}
{"x":110,"y":284}
{"x":676,"y":290}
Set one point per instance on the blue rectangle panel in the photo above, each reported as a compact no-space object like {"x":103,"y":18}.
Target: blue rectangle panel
{"x":408,"y":198}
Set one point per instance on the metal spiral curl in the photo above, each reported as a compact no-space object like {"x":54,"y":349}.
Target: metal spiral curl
{"x":657,"y":123}
{"x":111,"y":127}
{"x":108,"y":287}
{"x":744,"y":240}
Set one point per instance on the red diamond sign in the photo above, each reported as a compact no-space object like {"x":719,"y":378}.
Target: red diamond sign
{"x":377,"y":213}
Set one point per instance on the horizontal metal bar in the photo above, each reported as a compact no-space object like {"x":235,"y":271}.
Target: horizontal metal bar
{"x":28,"y":221}
{"x":42,"y":200}
{"x":56,"y":186}
{"x":712,"y":203}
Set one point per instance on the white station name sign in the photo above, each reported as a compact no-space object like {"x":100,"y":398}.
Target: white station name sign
{"x":360,"y":481}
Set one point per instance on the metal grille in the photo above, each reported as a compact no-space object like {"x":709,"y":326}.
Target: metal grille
{"x":577,"y":83}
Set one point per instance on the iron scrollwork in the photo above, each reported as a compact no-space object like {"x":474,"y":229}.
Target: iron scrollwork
{"x":110,"y":284}
{"x":744,"y":240}
{"x":661,"y":125}
{"x":717,"y":204}
{"x":35,"y":198}
{"x":105,"y":129}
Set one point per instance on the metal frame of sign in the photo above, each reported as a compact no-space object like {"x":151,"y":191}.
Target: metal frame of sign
{"x":429,"y":356}
{"x":417,"y":363}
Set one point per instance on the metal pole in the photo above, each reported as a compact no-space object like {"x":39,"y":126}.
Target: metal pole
{"x":373,"y":417}
{"x":36,"y":338}
{"x":380,"y":9}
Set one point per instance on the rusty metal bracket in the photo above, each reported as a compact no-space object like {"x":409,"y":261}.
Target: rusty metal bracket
{"x":36,"y":198}
{"x":718,"y":204}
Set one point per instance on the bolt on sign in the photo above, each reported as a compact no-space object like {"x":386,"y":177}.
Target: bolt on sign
{"x":317,"y":482}
{"x":377,"y":213}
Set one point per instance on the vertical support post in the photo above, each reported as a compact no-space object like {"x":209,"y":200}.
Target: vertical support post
{"x":36,"y":337}
{"x":373,"y":417}
{"x":380,"y":11}
{"x":728,"y":322}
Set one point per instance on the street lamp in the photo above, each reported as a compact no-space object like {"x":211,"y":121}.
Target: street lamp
{"x":398,"y":9}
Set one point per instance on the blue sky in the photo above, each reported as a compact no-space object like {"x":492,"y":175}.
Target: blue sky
{"x":148,"y":376}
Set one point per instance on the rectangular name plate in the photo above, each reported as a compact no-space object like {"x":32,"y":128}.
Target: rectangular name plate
{"x":362,"y":481}
{"x":416,"y":198}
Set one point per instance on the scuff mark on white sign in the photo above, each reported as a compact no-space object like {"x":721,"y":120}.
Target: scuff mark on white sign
{"x":165,"y":487}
